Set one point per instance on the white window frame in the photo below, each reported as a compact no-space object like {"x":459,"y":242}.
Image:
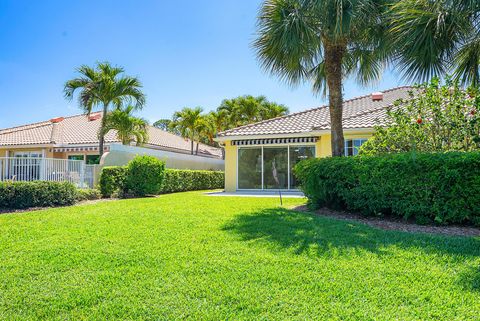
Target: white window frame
{"x":33,"y":153}
{"x":288,"y":156}
{"x":353,"y":142}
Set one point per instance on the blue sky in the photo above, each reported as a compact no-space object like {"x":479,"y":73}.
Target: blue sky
{"x":186,"y":53}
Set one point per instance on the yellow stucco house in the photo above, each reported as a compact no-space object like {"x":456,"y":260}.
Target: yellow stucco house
{"x":261,"y":156}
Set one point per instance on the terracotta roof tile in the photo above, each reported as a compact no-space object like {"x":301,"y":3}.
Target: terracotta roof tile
{"x":360,"y":112}
{"x":78,"y":130}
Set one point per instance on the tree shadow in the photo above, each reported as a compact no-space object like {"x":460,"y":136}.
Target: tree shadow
{"x":470,"y":279}
{"x":306,"y":233}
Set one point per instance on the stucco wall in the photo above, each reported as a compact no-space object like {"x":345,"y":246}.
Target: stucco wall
{"x":121,"y":155}
{"x":3,"y":151}
{"x":230,"y":167}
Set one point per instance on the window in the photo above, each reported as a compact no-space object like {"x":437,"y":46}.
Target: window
{"x":26,"y":166}
{"x":270,"y":167}
{"x":275,"y":167}
{"x":93,"y":159}
{"x":353,"y":145}
{"x":75,"y":157}
{"x":298,"y":153}
{"x":250,"y":168}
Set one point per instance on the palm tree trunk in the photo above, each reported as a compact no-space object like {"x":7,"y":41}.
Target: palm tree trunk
{"x":191,"y":141}
{"x":101,"y":135}
{"x":333,"y":64}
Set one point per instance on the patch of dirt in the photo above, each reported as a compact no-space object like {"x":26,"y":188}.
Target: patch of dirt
{"x":395,"y":224}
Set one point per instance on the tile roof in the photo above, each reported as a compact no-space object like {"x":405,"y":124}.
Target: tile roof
{"x":360,"y":112}
{"x":79,"y":130}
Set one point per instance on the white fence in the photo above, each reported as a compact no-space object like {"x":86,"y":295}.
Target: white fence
{"x":46,"y":169}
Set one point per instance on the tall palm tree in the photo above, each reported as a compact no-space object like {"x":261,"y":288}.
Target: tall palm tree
{"x":128,"y":127}
{"x":188,"y":122}
{"x":104,"y":87}
{"x":323,"y":42}
{"x":437,"y":37}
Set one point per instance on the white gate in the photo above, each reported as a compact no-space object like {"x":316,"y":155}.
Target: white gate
{"x":44,"y":169}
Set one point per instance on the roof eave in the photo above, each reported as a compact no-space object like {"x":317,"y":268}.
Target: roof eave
{"x":315,"y":132}
{"x":24,"y":146}
{"x":281,"y":135}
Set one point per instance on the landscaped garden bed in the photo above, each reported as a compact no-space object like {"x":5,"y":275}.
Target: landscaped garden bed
{"x":394,"y":223}
{"x":440,"y":188}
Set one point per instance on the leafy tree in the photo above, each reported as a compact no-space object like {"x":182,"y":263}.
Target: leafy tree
{"x":163,"y":124}
{"x":323,"y":42}
{"x":189,"y":123}
{"x":248,"y":109}
{"x":436,"y":118}
{"x":104,"y":86}
{"x":128,"y":127}
{"x":231,"y":113}
{"x":435,"y":37}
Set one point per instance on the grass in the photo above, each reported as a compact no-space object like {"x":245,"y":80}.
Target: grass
{"x":190,"y":256}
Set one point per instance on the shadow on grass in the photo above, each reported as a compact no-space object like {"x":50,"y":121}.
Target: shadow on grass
{"x":470,"y":279}
{"x":305,"y":233}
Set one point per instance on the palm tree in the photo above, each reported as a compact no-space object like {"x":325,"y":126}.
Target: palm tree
{"x":437,"y":37}
{"x":229,"y":108}
{"x":188,"y":122}
{"x":323,"y":42}
{"x":248,"y":109}
{"x":104,"y":87}
{"x":128,"y":127}
{"x":270,"y":110}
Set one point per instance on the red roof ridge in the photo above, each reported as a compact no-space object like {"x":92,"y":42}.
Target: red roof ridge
{"x":42,"y":123}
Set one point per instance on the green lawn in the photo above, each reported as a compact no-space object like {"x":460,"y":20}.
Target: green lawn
{"x":190,"y":256}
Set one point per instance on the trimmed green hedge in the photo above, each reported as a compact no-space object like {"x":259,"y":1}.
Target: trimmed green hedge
{"x":441,"y":188}
{"x":180,"y":180}
{"x":18,"y":195}
{"x":112,"y":180}
{"x":144,"y":176}
{"x":88,"y":194}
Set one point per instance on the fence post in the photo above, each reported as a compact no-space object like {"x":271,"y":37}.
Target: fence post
{"x":42,"y":168}
{"x":82,"y":173}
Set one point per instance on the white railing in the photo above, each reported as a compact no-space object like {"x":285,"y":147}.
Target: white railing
{"x":46,"y":169}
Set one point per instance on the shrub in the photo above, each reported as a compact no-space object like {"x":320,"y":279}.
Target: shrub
{"x":144,"y":176}
{"x":88,"y":194}
{"x":18,"y":195}
{"x":441,"y":188}
{"x":112,"y":180}
{"x":180,"y":180}
{"x":435,"y":118}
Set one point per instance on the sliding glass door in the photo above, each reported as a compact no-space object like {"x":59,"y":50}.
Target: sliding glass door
{"x":250,"y":168}
{"x":275,"y":167}
{"x":298,"y":153}
{"x":270,"y":167}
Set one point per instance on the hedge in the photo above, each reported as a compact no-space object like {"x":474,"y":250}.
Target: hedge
{"x":112,"y":180}
{"x":88,"y":194}
{"x":442,"y":188}
{"x":179,"y":180}
{"x":144,"y":176}
{"x":19,"y":195}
